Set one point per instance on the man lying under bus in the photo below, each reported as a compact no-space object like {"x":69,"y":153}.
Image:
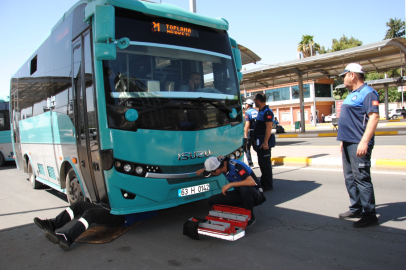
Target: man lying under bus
{"x":88,"y":214}
{"x":247,"y":191}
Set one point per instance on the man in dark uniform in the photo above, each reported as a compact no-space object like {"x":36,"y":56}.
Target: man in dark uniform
{"x":88,"y":213}
{"x":247,"y":191}
{"x":250,"y":115}
{"x":358,"y":120}
{"x":264,"y":140}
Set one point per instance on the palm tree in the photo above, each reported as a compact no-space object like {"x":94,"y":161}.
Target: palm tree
{"x":396,"y":28}
{"x":307,"y":46}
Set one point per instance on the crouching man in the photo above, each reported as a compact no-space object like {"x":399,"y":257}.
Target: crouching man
{"x":247,"y":191}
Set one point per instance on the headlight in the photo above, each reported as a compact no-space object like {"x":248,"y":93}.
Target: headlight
{"x":117,"y":164}
{"x":232,"y":156}
{"x":127,"y":168}
{"x":237,"y":153}
{"x":139,"y":170}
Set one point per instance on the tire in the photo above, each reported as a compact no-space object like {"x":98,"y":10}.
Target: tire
{"x":394,"y":117}
{"x":2,"y":160}
{"x":74,"y":191}
{"x":31,"y":176}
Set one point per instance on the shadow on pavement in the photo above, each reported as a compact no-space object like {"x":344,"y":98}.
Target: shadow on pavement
{"x":8,"y":165}
{"x":391,"y":212}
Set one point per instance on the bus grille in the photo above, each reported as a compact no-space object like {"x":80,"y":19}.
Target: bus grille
{"x":51,"y":172}
{"x":184,"y":180}
{"x":182,"y":169}
{"x":41,"y":169}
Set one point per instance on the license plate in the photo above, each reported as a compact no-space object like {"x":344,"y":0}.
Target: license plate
{"x":193,"y":190}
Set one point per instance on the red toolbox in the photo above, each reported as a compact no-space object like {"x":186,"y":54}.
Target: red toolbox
{"x":225,"y":222}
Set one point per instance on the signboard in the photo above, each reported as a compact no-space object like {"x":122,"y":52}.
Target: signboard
{"x":338,"y":107}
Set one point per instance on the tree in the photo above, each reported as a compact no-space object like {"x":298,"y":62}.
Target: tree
{"x":307,"y":46}
{"x":396,"y":28}
{"x":344,"y":43}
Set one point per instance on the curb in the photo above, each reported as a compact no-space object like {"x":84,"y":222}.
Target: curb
{"x":305,"y":161}
{"x":310,"y":135}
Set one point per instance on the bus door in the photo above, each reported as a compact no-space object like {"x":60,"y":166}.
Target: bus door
{"x":15,"y":117}
{"x":81,"y":124}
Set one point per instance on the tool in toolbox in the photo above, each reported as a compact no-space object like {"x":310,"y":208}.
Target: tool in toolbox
{"x":224,"y":222}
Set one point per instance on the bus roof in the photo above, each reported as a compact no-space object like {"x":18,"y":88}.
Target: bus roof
{"x":157,"y":9}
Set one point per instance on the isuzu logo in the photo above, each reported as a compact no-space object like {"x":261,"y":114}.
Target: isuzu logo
{"x":193,"y":155}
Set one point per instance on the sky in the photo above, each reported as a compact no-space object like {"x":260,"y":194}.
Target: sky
{"x":270,"y":28}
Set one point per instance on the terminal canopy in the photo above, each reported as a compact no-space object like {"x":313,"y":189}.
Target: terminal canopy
{"x":379,"y":56}
{"x":248,"y":56}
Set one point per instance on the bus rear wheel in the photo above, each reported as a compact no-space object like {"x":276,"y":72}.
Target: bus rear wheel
{"x":31,"y":176}
{"x":73,"y":189}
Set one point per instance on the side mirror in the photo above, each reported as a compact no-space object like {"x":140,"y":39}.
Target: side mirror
{"x":104,"y":35}
{"x":104,"y":24}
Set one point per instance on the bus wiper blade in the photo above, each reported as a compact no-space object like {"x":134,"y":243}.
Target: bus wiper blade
{"x":217,"y":105}
{"x":169,"y":104}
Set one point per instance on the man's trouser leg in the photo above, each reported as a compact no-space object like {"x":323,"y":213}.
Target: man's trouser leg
{"x":265,"y":165}
{"x":357,"y":174}
{"x":248,"y":150}
{"x":90,"y":213}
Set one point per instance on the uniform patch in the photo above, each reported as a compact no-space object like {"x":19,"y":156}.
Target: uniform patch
{"x":269,"y":116}
{"x":354,"y":98}
{"x":242,"y":172}
{"x":375,"y":103}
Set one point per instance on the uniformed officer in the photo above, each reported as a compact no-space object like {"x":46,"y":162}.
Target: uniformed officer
{"x":247,"y":191}
{"x":264,"y":140}
{"x":358,"y":120}
{"x":250,"y":115}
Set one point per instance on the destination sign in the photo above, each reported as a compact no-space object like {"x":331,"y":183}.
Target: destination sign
{"x":174,"y":29}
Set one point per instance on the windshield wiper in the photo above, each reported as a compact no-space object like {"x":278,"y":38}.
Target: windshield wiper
{"x":168,"y":104}
{"x":217,"y":105}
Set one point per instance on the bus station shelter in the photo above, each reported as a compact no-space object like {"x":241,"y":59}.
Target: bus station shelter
{"x":384,"y":84}
{"x":380,"y":56}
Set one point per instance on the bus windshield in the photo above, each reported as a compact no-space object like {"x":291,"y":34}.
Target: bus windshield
{"x":184,"y":68}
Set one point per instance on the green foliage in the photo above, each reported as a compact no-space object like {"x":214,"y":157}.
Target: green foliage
{"x":344,"y":43}
{"x":307,"y":46}
{"x":396,"y":28}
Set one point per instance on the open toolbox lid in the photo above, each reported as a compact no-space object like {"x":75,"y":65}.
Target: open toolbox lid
{"x":225,"y":222}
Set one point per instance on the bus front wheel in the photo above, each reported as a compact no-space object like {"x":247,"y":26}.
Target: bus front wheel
{"x":73,"y":189}
{"x":31,"y":176}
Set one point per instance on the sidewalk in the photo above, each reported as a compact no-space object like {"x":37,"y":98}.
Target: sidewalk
{"x":384,"y":157}
{"x":391,"y":127}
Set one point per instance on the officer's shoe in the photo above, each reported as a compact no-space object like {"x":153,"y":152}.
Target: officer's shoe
{"x":366,"y":221}
{"x":63,"y":240}
{"x":251,"y":164}
{"x":266,"y":188}
{"x":251,"y":222}
{"x":349,"y":214}
{"x":45,"y":224}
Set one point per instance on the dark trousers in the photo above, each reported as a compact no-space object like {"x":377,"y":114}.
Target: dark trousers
{"x":250,"y":140}
{"x":91,"y":213}
{"x":265,"y":165}
{"x":357,"y":174}
{"x":245,"y":197}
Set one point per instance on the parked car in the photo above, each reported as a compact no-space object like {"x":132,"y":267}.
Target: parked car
{"x":330,"y":117}
{"x":395,"y":113}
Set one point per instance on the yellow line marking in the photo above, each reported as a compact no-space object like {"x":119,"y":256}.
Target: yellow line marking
{"x":386,"y":133}
{"x":396,"y":124}
{"x":288,"y":136}
{"x":391,"y":162}
{"x":327,"y":134}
